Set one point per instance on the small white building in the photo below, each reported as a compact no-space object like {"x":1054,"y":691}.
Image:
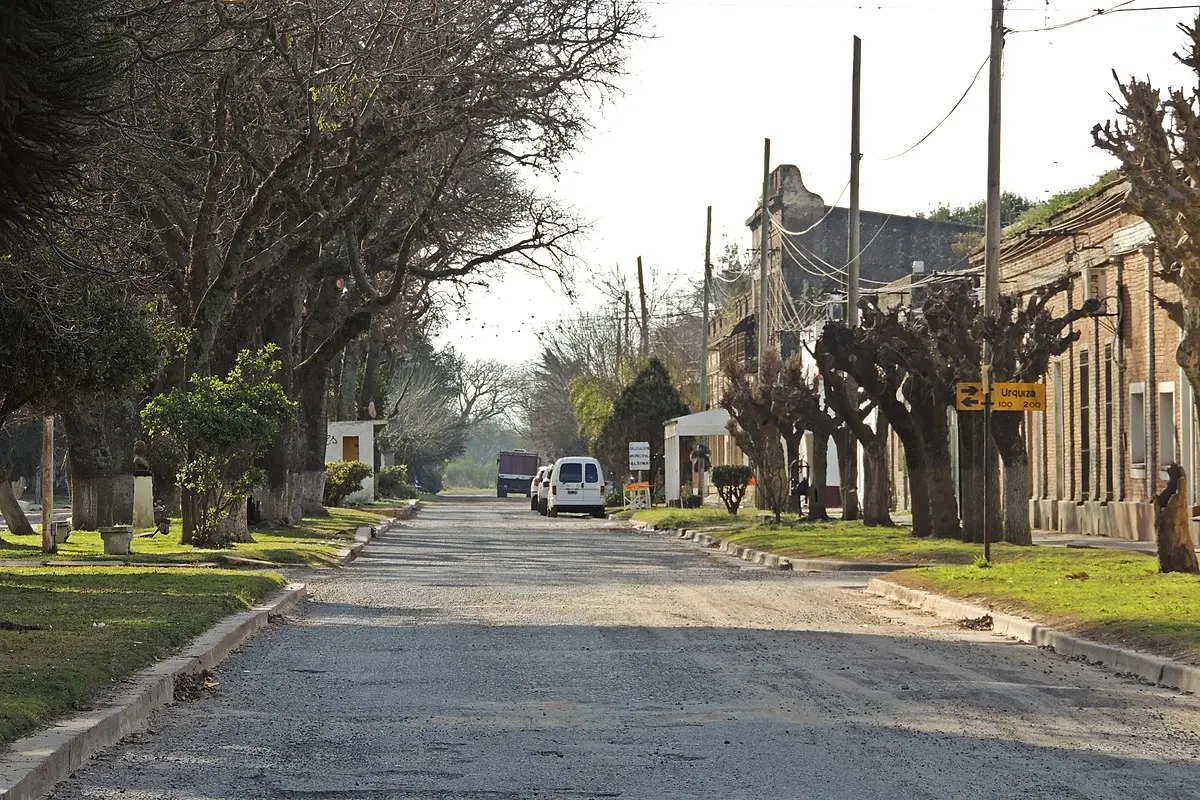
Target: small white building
{"x":354,"y":440}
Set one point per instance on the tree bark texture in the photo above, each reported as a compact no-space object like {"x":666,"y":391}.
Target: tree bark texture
{"x":348,"y":390}
{"x":847,"y":449}
{"x":816,"y":482}
{"x":100,"y":438}
{"x":876,"y":507}
{"x":934,"y":431}
{"x":312,"y":392}
{"x":1010,"y":445}
{"x":370,"y":380}
{"x":1172,"y":525}
{"x":10,"y":509}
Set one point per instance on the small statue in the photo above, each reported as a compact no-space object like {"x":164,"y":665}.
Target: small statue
{"x":141,"y":464}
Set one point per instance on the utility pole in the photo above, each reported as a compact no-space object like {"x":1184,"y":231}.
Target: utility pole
{"x":991,"y":252}
{"x":48,"y":543}
{"x":855,"y":158}
{"x":850,"y":504}
{"x":704,"y":313}
{"x":628,"y":311}
{"x":645,"y":312}
{"x":764,"y":254}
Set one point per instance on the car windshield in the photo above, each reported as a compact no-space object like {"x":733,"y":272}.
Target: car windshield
{"x":571,"y":472}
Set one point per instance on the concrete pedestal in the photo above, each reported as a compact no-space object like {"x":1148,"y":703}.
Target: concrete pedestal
{"x":143,"y":502}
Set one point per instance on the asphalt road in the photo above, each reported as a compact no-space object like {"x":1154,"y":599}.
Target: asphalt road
{"x":485,"y":652}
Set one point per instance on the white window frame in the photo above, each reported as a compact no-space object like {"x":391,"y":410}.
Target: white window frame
{"x":1137,"y":423}
{"x":1167,"y":444}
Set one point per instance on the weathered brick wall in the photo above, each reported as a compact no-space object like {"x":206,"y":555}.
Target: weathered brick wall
{"x":1140,"y":354}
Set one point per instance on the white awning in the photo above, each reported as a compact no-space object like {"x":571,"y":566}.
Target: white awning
{"x":714,"y":422}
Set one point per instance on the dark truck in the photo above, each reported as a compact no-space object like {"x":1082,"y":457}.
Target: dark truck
{"x":517,"y":469}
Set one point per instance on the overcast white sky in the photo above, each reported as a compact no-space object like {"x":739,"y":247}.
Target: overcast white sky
{"x":720,"y":75}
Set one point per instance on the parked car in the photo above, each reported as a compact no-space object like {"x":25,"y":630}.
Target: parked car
{"x":576,"y":487}
{"x":544,"y":491}
{"x":535,"y":486}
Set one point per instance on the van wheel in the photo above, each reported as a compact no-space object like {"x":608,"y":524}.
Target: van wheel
{"x":553,"y":512}
{"x":542,"y":509}
{"x":501,"y":493}
{"x":599,"y":512}
{"x":533,"y":504}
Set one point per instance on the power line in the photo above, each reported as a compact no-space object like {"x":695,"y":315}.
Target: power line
{"x":942,"y":121}
{"x":832,"y":208}
{"x":1099,"y":12}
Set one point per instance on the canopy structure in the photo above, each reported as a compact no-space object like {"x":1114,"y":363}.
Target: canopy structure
{"x":714,"y":422}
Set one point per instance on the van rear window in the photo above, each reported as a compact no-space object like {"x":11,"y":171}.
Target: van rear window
{"x":590,"y":474}
{"x":571,"y":472}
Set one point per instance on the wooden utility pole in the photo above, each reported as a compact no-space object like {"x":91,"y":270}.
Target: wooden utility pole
{"x":764,"y":254}
{"x":48,"y":543}
{"x":628,"y":311}
{"x":850,"y":505}
{"x":855,"y":159}
{"x":704,"y":313}
{"x":645,"y":311}
{"x":991,"y":252}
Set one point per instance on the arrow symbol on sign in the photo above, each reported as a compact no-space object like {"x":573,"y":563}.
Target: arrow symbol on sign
{"x":969,"y":391}
{"x":969,"y":402}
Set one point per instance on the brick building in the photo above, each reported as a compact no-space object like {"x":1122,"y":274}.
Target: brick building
{"x":1119,"y":409}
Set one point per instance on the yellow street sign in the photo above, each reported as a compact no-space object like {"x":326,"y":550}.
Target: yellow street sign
{"x":1005,"y":397}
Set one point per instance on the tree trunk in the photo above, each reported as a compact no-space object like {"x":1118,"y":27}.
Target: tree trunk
{"x":348,"y":390}
{"x":188,"y":509}
{"x":1172,"y":525}
{"x":14,"y":517}
{"x":918,"y":491}
{"x":100,"y":438}
{"x":876,"y":503}
{"x":311,"y":388}
{"x":970,"y":434}
{"x":1010,"y":444}
{"x":817,"y":472}
{"x":236,"y":526}
{"x":370,"y":382}
{"x":847,"y":455}
{"x":935,"y":435}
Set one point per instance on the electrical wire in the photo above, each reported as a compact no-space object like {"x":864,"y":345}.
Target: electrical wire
{"x":941,"y":122}
{"x":832,"y":208}
{"x":1099,"y":12}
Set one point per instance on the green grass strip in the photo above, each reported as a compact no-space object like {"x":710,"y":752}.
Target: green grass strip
{"x":100,"y":624}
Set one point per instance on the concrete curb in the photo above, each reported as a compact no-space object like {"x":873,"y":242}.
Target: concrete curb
{"x":363,"y":537}
{"x":1154,"y":669}
{"x":773,"y":560}
{"x":33,"y":765}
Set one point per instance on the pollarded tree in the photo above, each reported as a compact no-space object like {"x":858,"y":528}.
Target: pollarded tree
{"x":760,"y":417}
{"x":638,"y":416}
{"x":1158,"y":145}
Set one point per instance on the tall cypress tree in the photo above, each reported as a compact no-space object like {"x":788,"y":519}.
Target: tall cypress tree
{"x":638,"y":416}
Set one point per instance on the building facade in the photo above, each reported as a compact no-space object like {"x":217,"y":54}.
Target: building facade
{"x":1119,"y":409}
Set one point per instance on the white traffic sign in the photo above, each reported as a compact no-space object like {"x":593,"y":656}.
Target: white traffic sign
{"x":639,"y":455}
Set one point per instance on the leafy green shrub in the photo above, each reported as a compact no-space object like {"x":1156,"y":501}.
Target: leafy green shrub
{"x":218,"y":427}
{"x":344,"y":478}
{"x":614,"y":498}
{"x":731,"y":481}
{"x":391,"y":481}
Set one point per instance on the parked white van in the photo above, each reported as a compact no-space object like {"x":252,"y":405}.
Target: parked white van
{"x":535,"y":486}
{"x":576,"y":487}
